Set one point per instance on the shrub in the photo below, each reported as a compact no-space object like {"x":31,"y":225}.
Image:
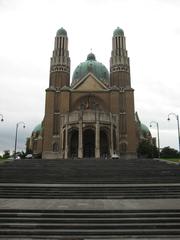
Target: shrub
{"x":146,"y":149}
{"x":168,"y":152}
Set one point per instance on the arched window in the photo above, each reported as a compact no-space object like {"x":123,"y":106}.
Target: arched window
{"x":55,"y":147}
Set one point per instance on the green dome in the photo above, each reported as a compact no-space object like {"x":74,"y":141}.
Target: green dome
{"x":91,"y":65}
{"x":38,"y":128}
{"x":118,"y":32}
{"x":61,"y":32}
{"x":145,"y":129}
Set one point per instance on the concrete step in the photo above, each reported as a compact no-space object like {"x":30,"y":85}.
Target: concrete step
{"x":122,"y":184}
{"x":93,"y":171}
{"x":95,"y":224}
{"x":90,"y":192}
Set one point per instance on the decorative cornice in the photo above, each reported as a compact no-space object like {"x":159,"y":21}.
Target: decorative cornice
{"x":59,"y":68}
{"x":120,"y":67}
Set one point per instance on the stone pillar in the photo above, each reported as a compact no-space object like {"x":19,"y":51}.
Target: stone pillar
{"x":80,"y":145}
{"x":97,"y":147}
{"x":66,"y":137}
{"x":61,"y":137}
{"x":66,"y":142}
{"x":117,"y":134}
{"x":112,"y":142}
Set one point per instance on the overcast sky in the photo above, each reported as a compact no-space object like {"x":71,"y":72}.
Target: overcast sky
{"x":28,"y":28}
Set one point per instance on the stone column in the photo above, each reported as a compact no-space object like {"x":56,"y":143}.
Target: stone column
{"x":61,"y":137}
{"x":112,"y":142}
{"x":117,"y":133}
{"x":80,"y":145}
{"x":97,"y":147}
{"x":66,"y":137}
{"x":66,"y":142}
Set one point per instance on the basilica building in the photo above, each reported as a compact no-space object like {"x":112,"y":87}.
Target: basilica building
{"x":92,"y":115}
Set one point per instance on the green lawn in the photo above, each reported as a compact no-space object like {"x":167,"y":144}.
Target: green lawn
{"x":2,"y":160}
{"x":177,"y":160}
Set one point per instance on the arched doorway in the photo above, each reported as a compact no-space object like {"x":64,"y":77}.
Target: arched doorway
{"x":73,"y":144}
{"x":88,"y":143}
{"x":104,"y":143}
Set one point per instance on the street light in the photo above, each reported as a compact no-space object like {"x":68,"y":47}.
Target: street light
{"x":177,"y":118}
{"x":1,"y":118}
{"x":16,"y":135}
{"x":157,"y":126}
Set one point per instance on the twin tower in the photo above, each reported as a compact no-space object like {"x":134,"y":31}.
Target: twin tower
{"x":93,"y":116}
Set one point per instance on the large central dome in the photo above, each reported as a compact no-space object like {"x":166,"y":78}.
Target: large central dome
{"x":91,"y":65}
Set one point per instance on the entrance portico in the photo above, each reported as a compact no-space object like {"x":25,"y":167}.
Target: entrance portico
{"x":88,"y":134}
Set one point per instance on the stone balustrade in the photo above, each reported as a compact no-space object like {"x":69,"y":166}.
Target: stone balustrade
{"x":88,"y":117}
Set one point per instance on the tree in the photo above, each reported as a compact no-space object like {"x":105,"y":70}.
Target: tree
{"x":168,"y":152}
{"x":146,"y":149}
{"x":6,"y":154}
{"x":21,"y":154}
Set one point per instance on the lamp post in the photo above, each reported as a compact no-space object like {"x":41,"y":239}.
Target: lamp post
{"x":157,"y":126}
{"x":2,"y":119}
{"x":177,"y":118}
{"x":16,"y":135}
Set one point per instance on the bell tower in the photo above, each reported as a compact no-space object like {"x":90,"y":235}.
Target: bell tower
{"x":60,"y":61}
{"x":59,"y":79}
{"x":119,"y":61}
{"x":120,"y":82}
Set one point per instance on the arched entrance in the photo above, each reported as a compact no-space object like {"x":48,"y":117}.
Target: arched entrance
{"x":88,"y":143}
{"x":104,"y":143}
{"x":73,"y":144}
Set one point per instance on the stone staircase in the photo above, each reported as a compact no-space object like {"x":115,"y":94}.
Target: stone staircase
{"x":83,"y":224}
{"x":89,"y":199}
{"x":89,"y":171}
{"x":90,"y":191}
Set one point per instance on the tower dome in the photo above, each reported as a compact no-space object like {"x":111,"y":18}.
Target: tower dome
{"x":118,"y":32}
{"x":91,"y":57}
{"x":91,"y":65}
{"x":61,"y":32}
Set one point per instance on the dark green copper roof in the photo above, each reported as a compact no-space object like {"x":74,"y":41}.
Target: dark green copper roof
{"x":118,"y":32}
{"x":91,"y":57}
{"x":144,"y":128}
{"x":38,"y":128}
{"x":144,"y":131}
{"x":91,"y":65}
{"x":61,"y":32}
